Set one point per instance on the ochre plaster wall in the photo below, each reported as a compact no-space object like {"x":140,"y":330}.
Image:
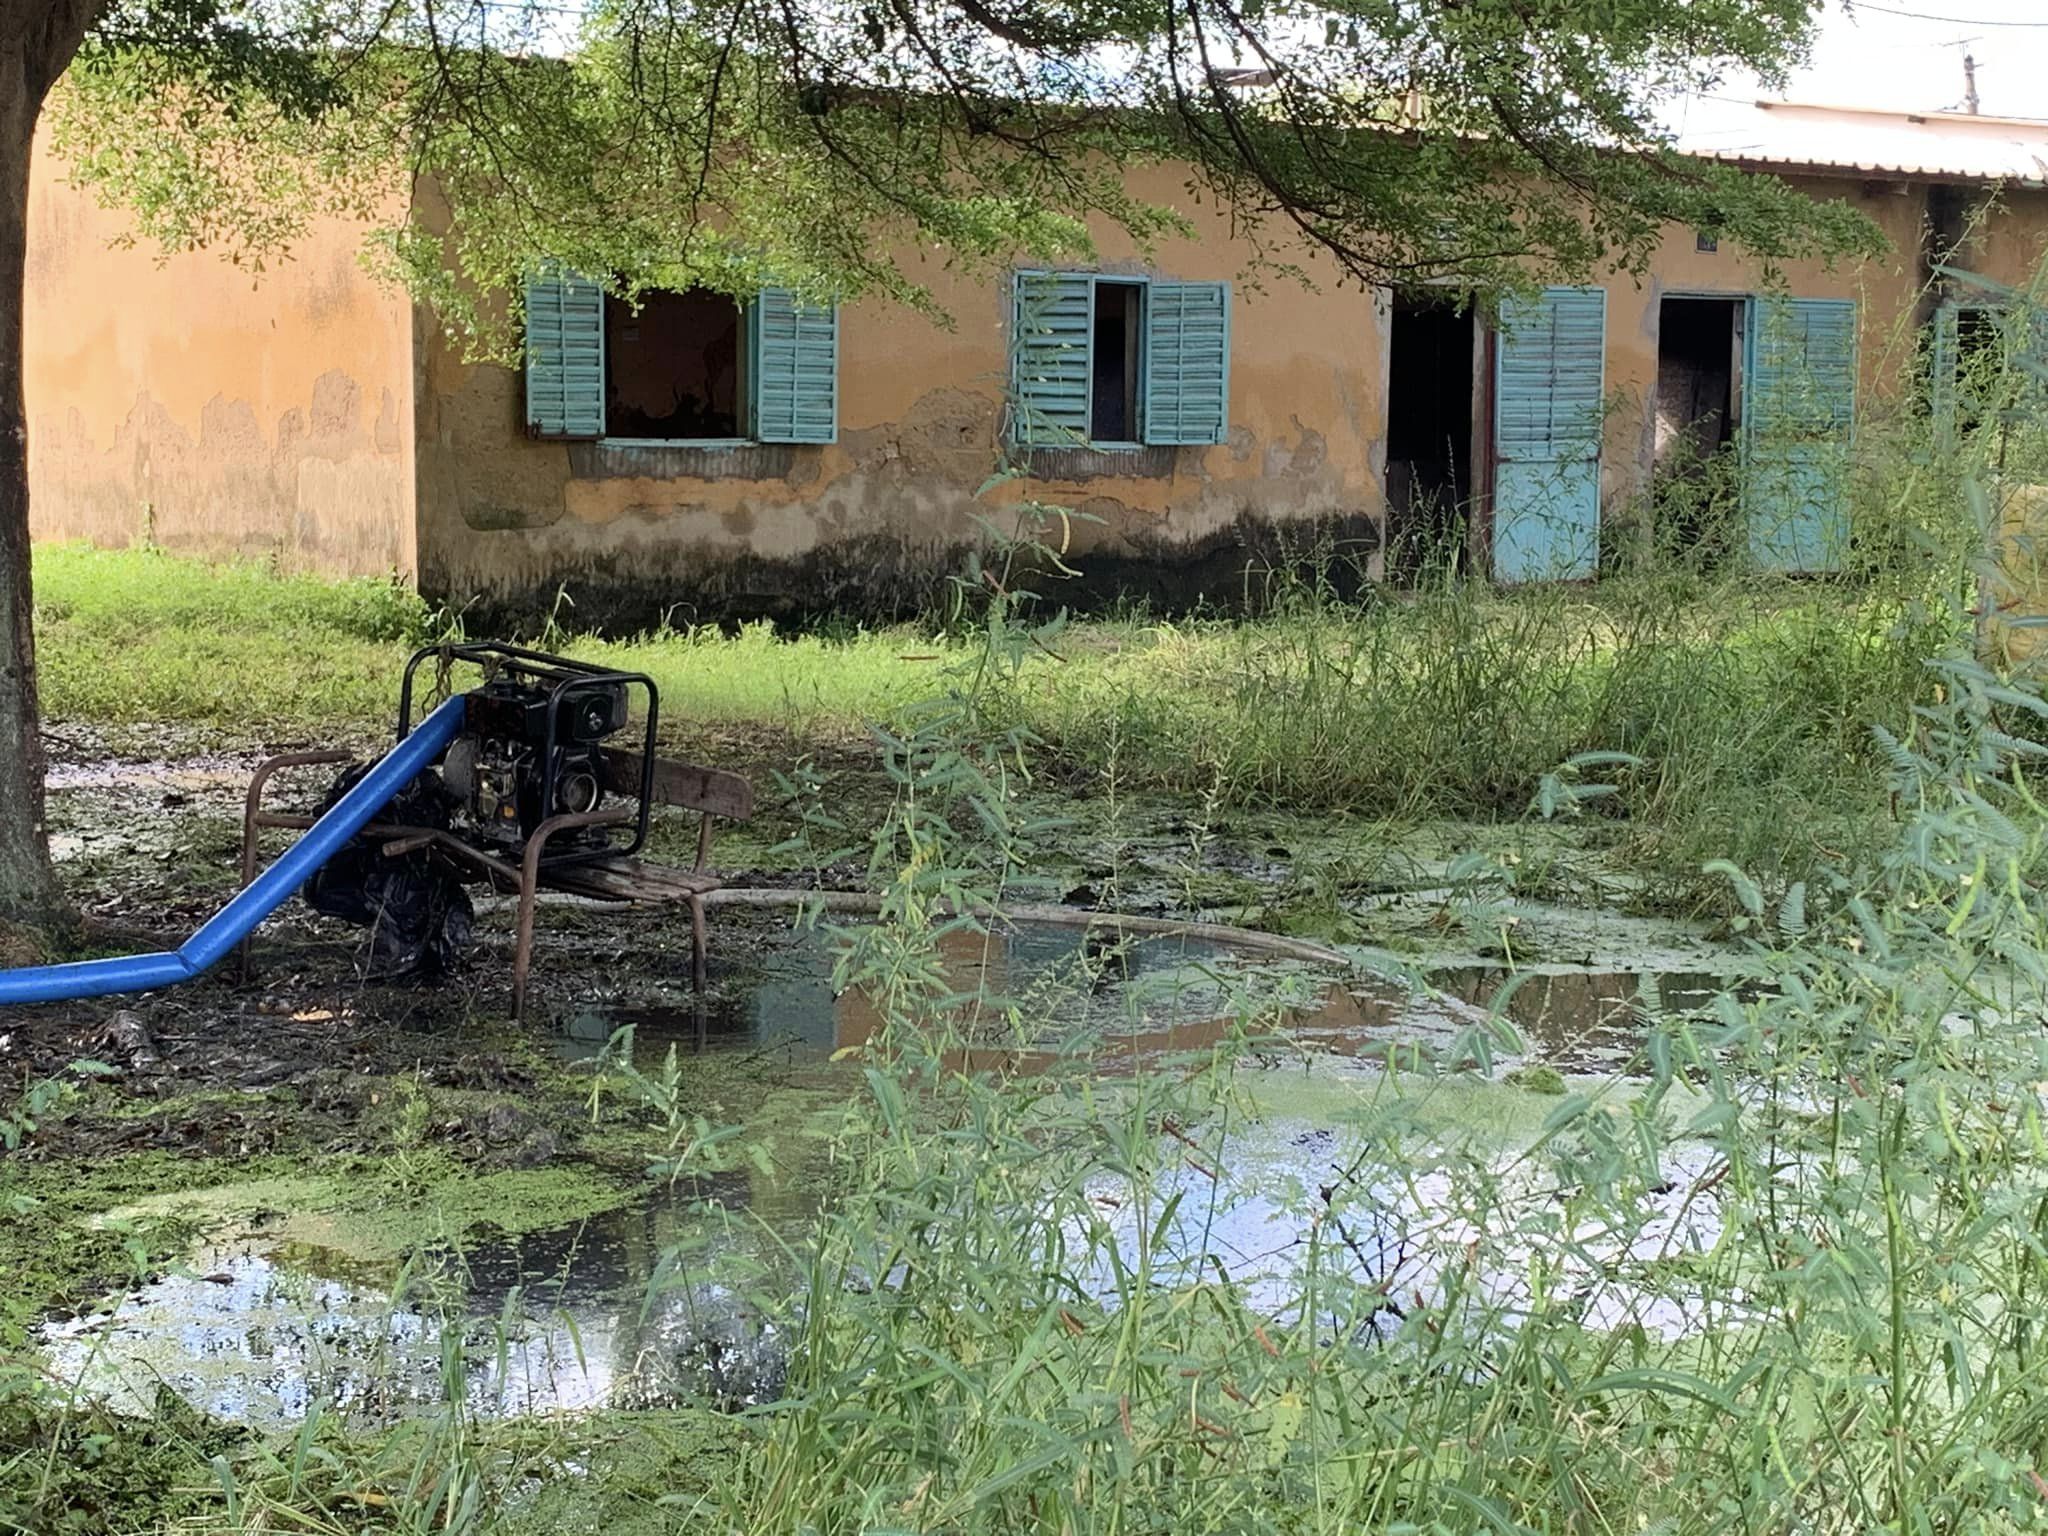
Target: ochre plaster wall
{"x":2007,"y":243}
{"x":212,"y":409}
{"x":312,"y":415}
{"x":872,"y":522}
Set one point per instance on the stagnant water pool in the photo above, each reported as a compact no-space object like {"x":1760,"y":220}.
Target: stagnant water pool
{"x":663,"y":1297}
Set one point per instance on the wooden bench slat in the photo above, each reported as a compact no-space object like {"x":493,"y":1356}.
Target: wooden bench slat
{"x":686,"y":786}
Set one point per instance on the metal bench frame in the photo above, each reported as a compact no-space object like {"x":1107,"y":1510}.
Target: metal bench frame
{"x":710,"y":792}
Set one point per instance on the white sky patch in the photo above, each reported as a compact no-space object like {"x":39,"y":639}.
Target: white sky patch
{"x":1873,"y":55}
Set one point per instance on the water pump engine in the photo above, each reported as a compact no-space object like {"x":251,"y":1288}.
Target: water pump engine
{"x":514,"y":767}
{"x":534,"y":747}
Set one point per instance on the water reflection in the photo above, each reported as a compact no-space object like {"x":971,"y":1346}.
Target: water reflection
{"x":656,"y":1301}
{"x":652,"y":1302}
{"x":1134,"y":1000}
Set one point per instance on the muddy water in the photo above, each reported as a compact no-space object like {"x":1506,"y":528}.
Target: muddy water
{"x":662,"y":1298}
{"x":1156,"y":995}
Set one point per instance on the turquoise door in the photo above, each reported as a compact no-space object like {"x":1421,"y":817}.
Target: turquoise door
{"x":1549,"y":377}
{"x":1798,"y":405}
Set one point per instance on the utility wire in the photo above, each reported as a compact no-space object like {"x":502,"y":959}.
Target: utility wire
{"x":1964,"y":21}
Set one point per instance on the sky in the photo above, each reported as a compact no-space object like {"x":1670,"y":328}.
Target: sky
{"x":1869,"y":55}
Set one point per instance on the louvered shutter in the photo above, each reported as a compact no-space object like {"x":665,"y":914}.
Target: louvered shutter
{"x":1051,"y":315}
{"x":796,"y":369}
{"x":1187,"y":362}
{"x":1799,"y":403}
{"x":1944,"y":361}
{"x":564,"y":355}
{"x":1549,"y":382}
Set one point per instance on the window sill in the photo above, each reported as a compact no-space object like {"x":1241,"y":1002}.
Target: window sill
{"x":1098,"y":461}
{"x":722,"y":458}
{"x":701,"y":443}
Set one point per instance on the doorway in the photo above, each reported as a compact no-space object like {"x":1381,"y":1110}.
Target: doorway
{"x":1698,"y":415}
{"x":1431,"y":375}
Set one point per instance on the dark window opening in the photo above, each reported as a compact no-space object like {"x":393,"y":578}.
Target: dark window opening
{"x":673,"y":367}
{"x":1429,"y":434}
{"x":1699,"y":401}
{"x":1948,"y":224}
{"x":1113,"y":395}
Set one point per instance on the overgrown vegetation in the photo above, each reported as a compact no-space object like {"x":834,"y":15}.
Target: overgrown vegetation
{"x":1744,"y":702}
{"x":1779,"y":1273}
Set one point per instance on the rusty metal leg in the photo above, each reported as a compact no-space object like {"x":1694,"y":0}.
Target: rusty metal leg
{"x":522,"y":948}
{"x":529,"y":892}
{"x":699,"y":940}
{"x":252,"y":815}
{"x":248,"y":875}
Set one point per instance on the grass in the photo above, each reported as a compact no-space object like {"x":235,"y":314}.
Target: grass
{"x":1784,"y":1274}
{"x":1743,"y":706}
{"x":139,"y":636}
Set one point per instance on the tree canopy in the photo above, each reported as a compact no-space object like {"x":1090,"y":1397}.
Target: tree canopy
{"x":666,"y":142}
{"x":842,"y":145}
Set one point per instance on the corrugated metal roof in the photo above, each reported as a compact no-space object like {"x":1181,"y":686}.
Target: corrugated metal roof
{"x":1797,"y":134}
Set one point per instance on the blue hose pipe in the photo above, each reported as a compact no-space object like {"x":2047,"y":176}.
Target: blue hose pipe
{"x":258,"y":899}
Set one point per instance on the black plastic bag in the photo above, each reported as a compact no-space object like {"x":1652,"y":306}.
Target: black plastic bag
{"x":419,"y":916}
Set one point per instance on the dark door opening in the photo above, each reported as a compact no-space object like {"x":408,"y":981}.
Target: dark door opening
{"x":1113,"y":408}
{"x":1430,"y":375}
{"x":1699,"y":409}
{"x":672,"y":367}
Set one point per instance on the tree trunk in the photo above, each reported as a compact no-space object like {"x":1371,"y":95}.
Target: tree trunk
{"x":37,"y":41}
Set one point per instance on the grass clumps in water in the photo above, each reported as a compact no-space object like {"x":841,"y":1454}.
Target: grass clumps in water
{"x":57,"y":1249}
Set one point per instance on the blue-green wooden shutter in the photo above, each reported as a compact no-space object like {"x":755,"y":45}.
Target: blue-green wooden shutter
{"x":1187,"y":362}
{"x":1944,"y":357}
{"x":796,"y":369}
{"x":1548,"y":411}
{"x":1052,"y":314}
{"x":1799,"y":403}
{"x":564,"y":355}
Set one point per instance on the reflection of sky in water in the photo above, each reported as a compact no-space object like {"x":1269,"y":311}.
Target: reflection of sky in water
{"x":1263,"y":1218}
{"x":608,"y":1314}
{"x":567,"y":1319}
{"x":260,"y":1336}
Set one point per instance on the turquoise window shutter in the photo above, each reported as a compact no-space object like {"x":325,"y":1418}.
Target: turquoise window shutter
{"x":1052,"y":314}
{"x":1799,"y":405}
{"x":1550,"y":375}
{"x":564,"y":355}
{"x":795,"y":350}
{"x":1187,"y":363}
{"x":1944,"y":357}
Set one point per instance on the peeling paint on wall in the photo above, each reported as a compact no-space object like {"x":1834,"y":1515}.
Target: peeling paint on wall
{"x":318,"y":419}
{"x":190,"y":404}
{"x":876,"y":521}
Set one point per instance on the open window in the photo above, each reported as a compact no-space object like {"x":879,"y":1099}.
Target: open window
{"x":1100,"y":361}
{"x":1964,"y":364}
{"x":674,"y":367}
{"x":1119,"y":343}
{"x":1432,"y":373}
{"x":678,"y":366}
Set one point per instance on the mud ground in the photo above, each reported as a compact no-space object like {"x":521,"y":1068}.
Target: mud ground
{"x":306,"y":1063}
